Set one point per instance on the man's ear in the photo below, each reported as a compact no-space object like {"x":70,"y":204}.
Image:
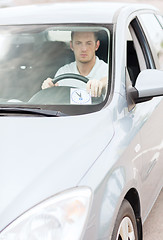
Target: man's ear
{"x":71,"y":46}
{"x":97,"y":45}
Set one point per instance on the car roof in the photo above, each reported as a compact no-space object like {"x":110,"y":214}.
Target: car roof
{"x":72,"y":12}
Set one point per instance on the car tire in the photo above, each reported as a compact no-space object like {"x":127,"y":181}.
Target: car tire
{"x":125,"y":225}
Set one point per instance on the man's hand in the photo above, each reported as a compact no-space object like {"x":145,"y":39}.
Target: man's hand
{"x":96,"y":87}
{"x":48,"y":83}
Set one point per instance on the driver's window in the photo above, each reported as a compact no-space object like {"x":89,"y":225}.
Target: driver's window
{"x":132,"y":63}
{"x":154,"y":32}
{"x":135,"y":61}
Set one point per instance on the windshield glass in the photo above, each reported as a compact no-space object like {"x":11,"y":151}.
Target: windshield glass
{"x":54,"y":66}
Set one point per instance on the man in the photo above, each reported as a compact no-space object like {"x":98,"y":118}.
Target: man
{"x":84,"y":45}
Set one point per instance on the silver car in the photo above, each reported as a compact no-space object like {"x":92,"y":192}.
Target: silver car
{"x":74,"y":165}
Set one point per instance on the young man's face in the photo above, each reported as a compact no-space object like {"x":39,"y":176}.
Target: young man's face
{"x":84,"y":46}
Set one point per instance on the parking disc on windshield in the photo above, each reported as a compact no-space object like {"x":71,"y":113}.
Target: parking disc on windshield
{"x":80,"y":96}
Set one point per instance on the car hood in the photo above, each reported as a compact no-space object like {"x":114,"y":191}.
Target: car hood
{"x":43,"y":156}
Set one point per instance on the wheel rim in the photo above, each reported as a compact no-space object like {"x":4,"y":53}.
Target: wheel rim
{"x":126,"y":230}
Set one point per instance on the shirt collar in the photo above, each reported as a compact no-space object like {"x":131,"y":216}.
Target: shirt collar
{"x":89,"y":76}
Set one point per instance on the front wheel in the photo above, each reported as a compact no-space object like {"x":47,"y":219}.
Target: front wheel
{"x":125,"y":225}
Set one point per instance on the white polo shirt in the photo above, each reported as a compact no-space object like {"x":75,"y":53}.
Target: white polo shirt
{"x":99,"y":71}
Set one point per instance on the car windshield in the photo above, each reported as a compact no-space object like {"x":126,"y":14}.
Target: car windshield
{"x":69,"y":58}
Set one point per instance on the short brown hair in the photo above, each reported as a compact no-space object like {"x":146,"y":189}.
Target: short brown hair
{"x":95,"y":35}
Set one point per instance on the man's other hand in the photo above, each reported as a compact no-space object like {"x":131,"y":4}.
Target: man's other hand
{"x":48,"y":83}
{"x":96,"y":87}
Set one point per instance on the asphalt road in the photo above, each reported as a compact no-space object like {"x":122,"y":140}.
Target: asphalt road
{"x":153,"y":226}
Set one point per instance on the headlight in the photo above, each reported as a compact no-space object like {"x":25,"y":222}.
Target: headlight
{"x":61,"y":217}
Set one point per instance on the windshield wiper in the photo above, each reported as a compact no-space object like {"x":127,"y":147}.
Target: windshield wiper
{"x":36,"y":111}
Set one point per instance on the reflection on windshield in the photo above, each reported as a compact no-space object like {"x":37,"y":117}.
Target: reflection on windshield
{"x":32,"y":56}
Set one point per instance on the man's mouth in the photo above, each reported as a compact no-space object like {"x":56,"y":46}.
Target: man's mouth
{"x":83,"y":55}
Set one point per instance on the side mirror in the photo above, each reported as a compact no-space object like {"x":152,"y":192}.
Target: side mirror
{"x":149,"y":84}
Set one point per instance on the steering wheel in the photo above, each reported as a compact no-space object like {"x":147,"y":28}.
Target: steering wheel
{"x":60,"y":94}
{"x":70,"y":75}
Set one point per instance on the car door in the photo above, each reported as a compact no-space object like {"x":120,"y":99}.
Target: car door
{"x":151,"y":133}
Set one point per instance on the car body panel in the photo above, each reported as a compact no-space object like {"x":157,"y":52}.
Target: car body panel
{"x":35,"y":174}
{"x":130,"y":168}
{"x":48,"y":13}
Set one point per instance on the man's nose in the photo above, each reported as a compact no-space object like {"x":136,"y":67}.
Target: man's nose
{"x":84,"y":47}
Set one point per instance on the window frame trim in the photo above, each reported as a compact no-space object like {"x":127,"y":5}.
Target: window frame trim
{"x":141,"y":37}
